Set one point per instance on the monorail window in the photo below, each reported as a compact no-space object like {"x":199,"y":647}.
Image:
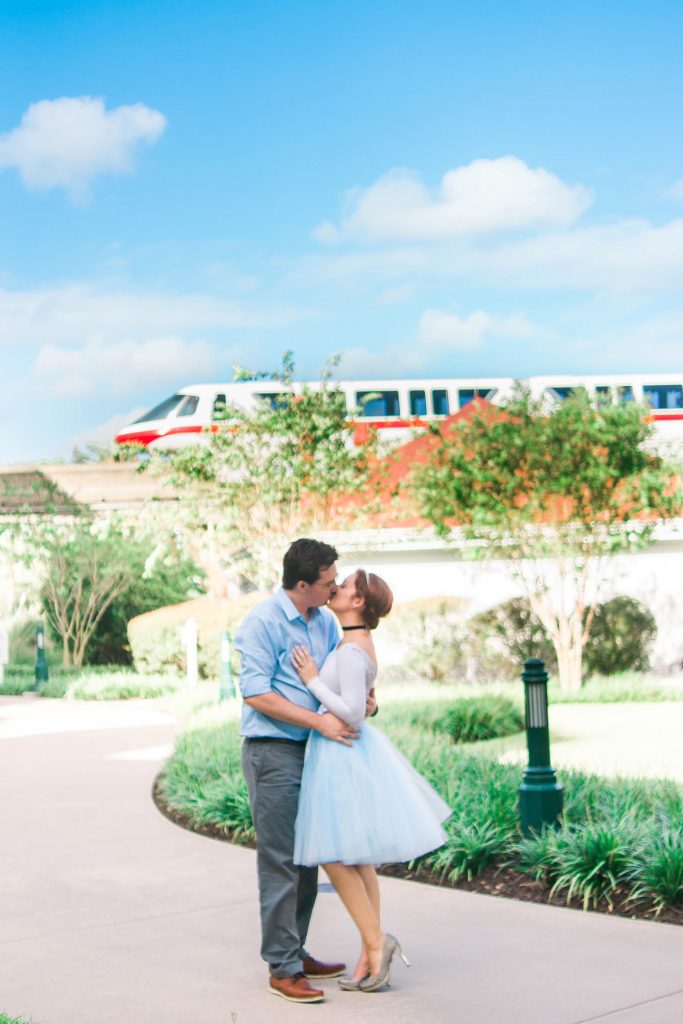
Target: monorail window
{"x":467,"y":395}
{"x":219,"y":408}
{"x":418,"y":403}
{"x":161,"y":411}
{"x":625,"y":394}
{"x":663,"y":396}
{"x":378,"y":403}
{"x":440,"y":403}
{"x":603,"y":395}
{"x":275,"y":399}
{"x":189,"y":406}
{"x":563,"y":392}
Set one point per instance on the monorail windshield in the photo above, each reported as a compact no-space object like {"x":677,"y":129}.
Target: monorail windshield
{"x":162,"y":410}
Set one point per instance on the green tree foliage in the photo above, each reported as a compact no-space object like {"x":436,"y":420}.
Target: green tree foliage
{"x":272,"y":472}
{"x":84,"y":575}
{"x":154,"y":582}
{"x":621,"y":636}
{"x":504,"y":637}
{"x":554,"y":492}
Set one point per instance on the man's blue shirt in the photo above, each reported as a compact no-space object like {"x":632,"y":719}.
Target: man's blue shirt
{"x":265,"y":641}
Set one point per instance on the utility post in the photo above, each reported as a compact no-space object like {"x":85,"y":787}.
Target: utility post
{"x":540,"y":794}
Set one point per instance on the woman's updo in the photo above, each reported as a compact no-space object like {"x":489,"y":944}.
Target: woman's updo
{"x":377,"y":596}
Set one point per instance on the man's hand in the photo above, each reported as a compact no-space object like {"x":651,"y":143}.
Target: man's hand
{"x":332,"y":728}
{"x":371,"y":704}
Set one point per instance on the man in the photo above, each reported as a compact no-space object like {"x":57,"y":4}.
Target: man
{"x":277,"y":715}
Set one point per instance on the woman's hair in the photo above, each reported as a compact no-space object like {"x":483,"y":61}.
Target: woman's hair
{"x":377,"y":596}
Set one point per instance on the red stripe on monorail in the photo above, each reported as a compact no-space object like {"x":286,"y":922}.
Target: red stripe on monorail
{"x":661,"y":417}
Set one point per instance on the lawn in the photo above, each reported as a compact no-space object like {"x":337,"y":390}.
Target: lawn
{"x":621,"y":844}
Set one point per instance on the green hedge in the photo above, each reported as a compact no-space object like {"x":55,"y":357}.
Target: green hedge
{"x":155,"y":637}
{"x":619,"y":837}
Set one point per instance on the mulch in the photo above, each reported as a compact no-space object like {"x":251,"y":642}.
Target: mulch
{"x":494,"y":880}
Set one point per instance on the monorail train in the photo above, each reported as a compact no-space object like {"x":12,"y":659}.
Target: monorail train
{"x":394,"y":407}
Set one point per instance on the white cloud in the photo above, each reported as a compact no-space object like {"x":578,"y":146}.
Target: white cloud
{"x":439,"y":334}
{"x":72,"y":313}
{"x":676,"y":190}
{"x":483,"y":197}
{"x":65,"y":143}
{"x":123,"y":367}
{"x":102,"y":433}
{"x":447,"y":330}
{"x":628,"y":255}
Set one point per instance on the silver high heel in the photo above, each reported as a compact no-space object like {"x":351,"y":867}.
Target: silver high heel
{"x":377,"y":981}
{"x":351,"y":984}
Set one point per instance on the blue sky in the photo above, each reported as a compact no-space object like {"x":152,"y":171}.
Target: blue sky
{"x":427,"y":189}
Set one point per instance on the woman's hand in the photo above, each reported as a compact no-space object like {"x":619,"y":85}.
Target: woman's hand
{"x":304,"y":664}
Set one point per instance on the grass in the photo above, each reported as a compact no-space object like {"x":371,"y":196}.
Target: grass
{"x":621,"y":839}
{"x":103,"y":682}
{"x":4,"y":1019}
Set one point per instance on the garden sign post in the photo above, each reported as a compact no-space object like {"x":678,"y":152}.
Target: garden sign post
{"x":188,"y":636}
{"x":227,"y":684}
{"x":540,"y":795}
{"x":41,"y":671}
{"x":4,"y":651}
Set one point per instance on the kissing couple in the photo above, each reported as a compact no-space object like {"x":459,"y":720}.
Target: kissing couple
{"x":325,"y":787}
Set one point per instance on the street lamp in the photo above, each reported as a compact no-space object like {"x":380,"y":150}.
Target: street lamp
{"x":540,"y":794}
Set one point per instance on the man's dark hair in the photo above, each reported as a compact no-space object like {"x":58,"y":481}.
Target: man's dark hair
{"x":304,"y":560}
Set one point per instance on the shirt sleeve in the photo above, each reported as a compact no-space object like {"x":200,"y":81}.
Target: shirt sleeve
{"x":349,"y":705}
{"x":257,"y":657}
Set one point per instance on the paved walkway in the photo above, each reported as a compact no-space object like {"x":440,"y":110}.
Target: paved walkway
{"x":109,"y":914}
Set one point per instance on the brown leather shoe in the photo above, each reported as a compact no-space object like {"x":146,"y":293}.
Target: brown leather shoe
{"x":296,"y":989}
{"x":315,"y":969}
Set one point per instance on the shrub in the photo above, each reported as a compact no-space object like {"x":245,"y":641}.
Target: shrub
{"x":169,"y":581}
{"x":621,"y":634}
{"x":119,"y":686}
{"x":155,"y":637}
{"x":431,"y":634}
{"x":481,"y":718}
{"x":505,"y":636}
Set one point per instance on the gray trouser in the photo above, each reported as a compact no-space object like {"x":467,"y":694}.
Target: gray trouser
{"x":272,"y":770}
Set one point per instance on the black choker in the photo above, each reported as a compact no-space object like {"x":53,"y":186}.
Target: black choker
{"x":348,"y":628}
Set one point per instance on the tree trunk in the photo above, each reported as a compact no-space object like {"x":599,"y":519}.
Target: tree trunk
{"x":569,"y":664}
{"x":66,"y":653}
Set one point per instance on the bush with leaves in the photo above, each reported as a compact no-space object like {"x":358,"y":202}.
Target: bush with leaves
{"x":481,"y":718}
{"x":505,"y":636}
{"x":620,"y":638}
{"x":169,"y":580}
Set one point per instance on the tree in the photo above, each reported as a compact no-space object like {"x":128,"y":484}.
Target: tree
{"x":555,"y":492}
{"x":272,"y":472}
{"x":84,"y":574}
{"x":160,"y":574}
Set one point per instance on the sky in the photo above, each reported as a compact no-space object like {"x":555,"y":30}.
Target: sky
{"x":425,"y":189}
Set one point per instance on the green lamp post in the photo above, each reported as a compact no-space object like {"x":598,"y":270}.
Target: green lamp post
{"x":540,"y":794}
{"x":41,"y":670}
{"x":227,"y":684}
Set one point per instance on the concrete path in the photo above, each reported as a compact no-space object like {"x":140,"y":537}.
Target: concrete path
{"x":109,"y":914}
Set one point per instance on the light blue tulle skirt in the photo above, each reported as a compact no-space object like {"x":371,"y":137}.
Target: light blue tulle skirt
{"x":364,"y":804}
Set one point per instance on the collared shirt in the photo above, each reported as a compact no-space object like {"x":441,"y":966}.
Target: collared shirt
{"x":265,"y":641}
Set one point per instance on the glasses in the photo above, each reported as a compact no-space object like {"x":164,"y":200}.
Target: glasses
{"x":330,"y":585}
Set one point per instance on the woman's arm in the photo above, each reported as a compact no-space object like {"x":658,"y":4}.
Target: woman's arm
{"x":350,"y":704}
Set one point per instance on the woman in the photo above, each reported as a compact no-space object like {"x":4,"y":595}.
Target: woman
{"x":361,"y":805}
